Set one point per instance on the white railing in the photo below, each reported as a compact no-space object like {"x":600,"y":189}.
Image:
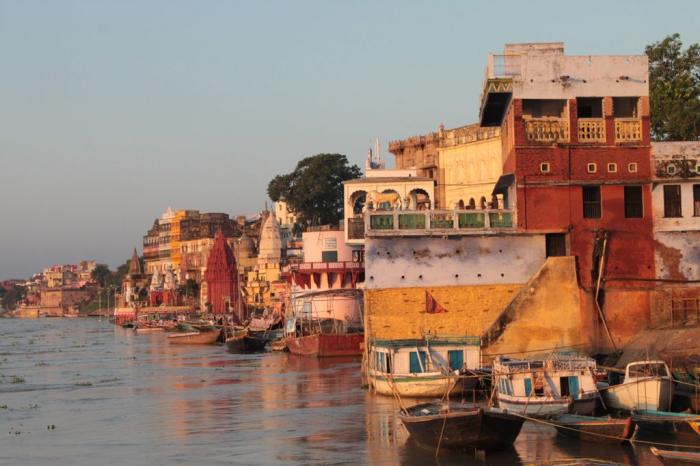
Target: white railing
{"x":426,"y":221}
{"x":546,"y":130}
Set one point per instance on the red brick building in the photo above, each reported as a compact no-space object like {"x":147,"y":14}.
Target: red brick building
{"x":222,"y":277}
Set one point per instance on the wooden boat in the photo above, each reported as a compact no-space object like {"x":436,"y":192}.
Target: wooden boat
{"x":325,"y":345}
{"x":647,"y":386}
{"x":128,"y":325}
{"x":195,"y":338}
{"x":279,"y":345}
{"x":594,"y":429}
{"x":236,"y":342}
{"x":677,"y":424}
{"x":423,"y":368}
{"x":147,"y":329}
{"x":676,"y":458}
{"x":545,"y":388}
{"x":255,"y":341}
{"x":461,"y":426}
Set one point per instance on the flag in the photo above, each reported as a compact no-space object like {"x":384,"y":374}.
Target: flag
{"x":432,"y":306}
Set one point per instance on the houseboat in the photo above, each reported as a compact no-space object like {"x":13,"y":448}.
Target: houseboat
{"x":546,"y":387}
{"x":647,"y":385}
{"x":431,"y":367}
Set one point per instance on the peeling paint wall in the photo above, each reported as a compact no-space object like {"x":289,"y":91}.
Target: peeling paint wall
{"x":458,"y":261}
{"x":678,"y":255}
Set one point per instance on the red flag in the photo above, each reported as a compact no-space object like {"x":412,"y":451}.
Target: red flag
{"x":432,"y":306}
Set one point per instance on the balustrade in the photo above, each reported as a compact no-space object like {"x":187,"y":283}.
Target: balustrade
{"x":628,"y":129}
{"x":591,"y":130}
{"x":546,"y":130}
{"x":444,"y":220}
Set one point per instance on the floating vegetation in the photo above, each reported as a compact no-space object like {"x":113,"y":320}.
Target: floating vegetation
{"x":83,"y":384}
{"x":17,"y":379}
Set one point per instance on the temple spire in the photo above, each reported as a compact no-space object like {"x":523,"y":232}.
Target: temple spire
{"x":135,"y":264}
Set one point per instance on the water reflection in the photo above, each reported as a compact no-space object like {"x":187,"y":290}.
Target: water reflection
{"x":119,"y":398}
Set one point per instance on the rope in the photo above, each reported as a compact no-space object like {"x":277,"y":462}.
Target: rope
{"x":613,"y":437}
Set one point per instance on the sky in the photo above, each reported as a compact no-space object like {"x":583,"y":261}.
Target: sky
{"x":111,"y":111}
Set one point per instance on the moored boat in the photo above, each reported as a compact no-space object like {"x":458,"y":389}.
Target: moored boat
{"x":548,"y":387}
{"x":594,"y":429}
{"x":148,"y":329}
{"x":195,"y":338}
{"x":326,"y":344}
{"x":426,"y":368}
{"x":279,"y":345}
{"x":255,"y":341}
{"x":236,"y":342}
{"x":647,"y":386}
{"x":461,"y":426}
{"x":682,"y":425}
{"x":676,"y":458}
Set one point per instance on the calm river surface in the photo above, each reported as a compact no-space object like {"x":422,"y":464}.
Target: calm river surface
{"x":116,"y":398}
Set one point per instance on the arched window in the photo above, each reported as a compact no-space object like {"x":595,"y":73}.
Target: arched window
{"x":472,"y":204}
{"x":460,"y":204}
{"x":482,"y":202}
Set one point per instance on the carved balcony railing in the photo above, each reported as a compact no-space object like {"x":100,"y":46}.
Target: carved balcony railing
{"x":628,"y":129}
{"x":427,"y":222}
{"x":546,"y":130}
{"x":591,"y":130}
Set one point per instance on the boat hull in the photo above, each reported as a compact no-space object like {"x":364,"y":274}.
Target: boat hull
{"x":419,"y":385}
{"x":235,"y":344}
{"x":680,"y":425}
{"x":676,"y":458}
{"x":585,"y":405}
{"x":534,"y":407}
{"x":645,"y":394}
{"x":142,"y":330}
{"x":596,"y":430}
{"x":326,"y":345}
{"x":466,"y":428}
{"x":195,"y":338}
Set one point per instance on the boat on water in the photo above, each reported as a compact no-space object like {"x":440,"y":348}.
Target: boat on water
{"x":647,"y":385}
{"x":594,"y":429}
{"x":560,"y":384}
{"x":148,"y":329}
{"x":676,"y":424}
{"x":279,"y":345}
{"x":322,"y":345}
{"x":255,"y":341}
{"x":195,"y":338}
{"x":431,"y":367}
{"x":462,"y":427}
{"x":676,"y":458}
{"x":236,"y":343}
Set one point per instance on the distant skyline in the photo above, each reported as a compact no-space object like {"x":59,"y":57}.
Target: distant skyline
{"x":114,"y":110}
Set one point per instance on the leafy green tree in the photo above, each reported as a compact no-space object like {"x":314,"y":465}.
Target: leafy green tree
{"x":190,"y":288}
{"x":10,"y":298}
{"x":102,"y":275}
{"x":674,"y":81}
{"x":314,"y":190}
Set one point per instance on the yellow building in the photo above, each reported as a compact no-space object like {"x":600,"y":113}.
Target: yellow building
{"x":469,"y":164}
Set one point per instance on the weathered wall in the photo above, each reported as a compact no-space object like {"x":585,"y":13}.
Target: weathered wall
{"x":547,"y":313}
{"x":678,"y":255}
{"x":400,"y":313}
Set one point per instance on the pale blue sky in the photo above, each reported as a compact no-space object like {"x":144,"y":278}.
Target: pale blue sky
{"x":111,"y":111}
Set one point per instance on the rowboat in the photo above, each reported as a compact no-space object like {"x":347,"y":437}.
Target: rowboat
{"x":676,"y":458}
{"x":139,"y":330}
{"x":647,"y":386}
{"x":594,"y":429}
{"x":236,"y":342}
{"x":677,"y":424}
{"x":279,"y":345}
{"x":461,"y":426}
{"x":195,"y":338}
{"x":323,"y":345}
{"x":255,"y":341}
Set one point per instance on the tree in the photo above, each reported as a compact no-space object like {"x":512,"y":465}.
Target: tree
{"x":674,"y":81}
{"x":190,"y":288}
{"x":314,"y":190}
{"x":12,"y":297}
{"x":102,"y":275}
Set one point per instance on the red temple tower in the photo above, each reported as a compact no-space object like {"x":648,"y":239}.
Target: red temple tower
{"x":222,"y":277}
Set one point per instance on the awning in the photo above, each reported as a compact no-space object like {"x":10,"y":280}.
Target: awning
{"x":503,"y":183}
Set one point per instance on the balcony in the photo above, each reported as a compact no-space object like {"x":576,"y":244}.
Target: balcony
{"x":591,"y":130}
{"x":628,"y":130}
{"x":442,"y":222}
{"x":546,"y":130}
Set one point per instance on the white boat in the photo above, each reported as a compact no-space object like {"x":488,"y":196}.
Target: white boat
{"x":647,"y":385}
{"x":546,"y":387}
{"x":427,"y":368}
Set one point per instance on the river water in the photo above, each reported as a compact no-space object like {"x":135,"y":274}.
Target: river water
{"x":83,"y":391}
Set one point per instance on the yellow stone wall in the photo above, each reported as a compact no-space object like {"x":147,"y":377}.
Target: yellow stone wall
{"x":399,"y":313}
{"x":469,"y":170}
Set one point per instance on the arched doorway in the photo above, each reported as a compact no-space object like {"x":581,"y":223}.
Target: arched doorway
{"x":472,"y":204}
{"x":358,"y":199}
{"x":482,"y":203}
{"x":419,"y":199}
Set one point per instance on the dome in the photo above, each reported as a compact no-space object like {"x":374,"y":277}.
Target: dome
{"x":270,"y":250}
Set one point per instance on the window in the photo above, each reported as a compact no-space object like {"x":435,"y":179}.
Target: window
{"x":696,"y":200}
{"x":416,"y":366}
{"x":544,"y":167}
{"x":544,"y":108}
{"x":625,"y":107}
{"x":671,"y":169}
{"x":592,"y":168}
{"x":456,"y":358}
{"x":672,"y":201}
{"x":633,"y":202}
{"x":329,"y":256}
{"x":591,"y":201}
{"x":632,"y":167}
{"x":612,"y":168}
{"x":589,"y":107}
